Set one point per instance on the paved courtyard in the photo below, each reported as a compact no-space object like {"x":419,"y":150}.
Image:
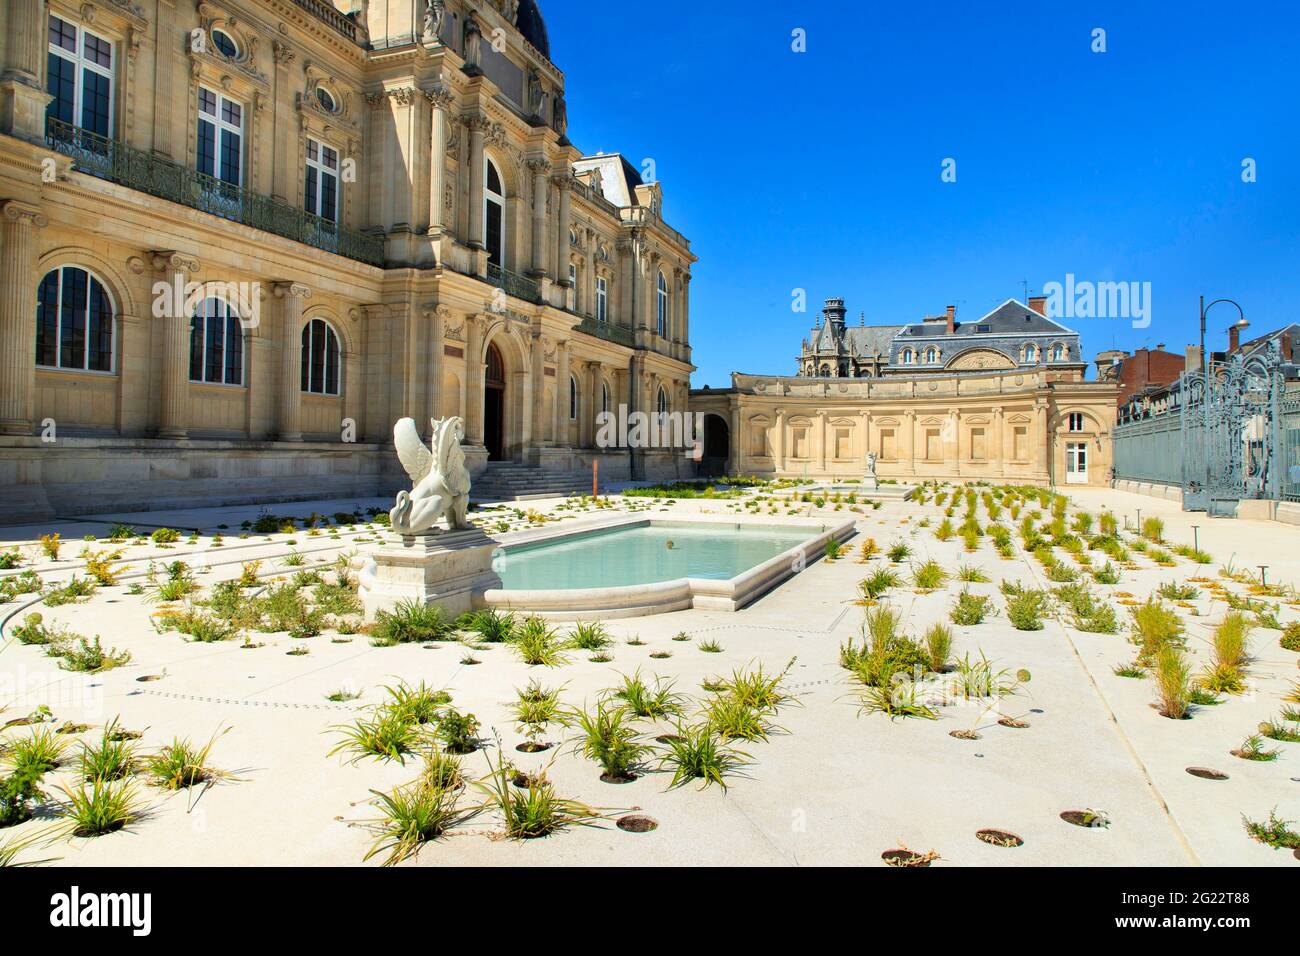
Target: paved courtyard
{"x":830,"y":785}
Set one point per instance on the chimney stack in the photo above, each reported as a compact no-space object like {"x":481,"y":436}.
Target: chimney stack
{"x":952,"y":319}
{"x":1038,"y":303}
{"x":1234,"y":337}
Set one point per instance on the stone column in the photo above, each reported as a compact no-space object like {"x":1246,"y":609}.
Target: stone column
{"x":477,"y":126}
{"x":563,"y":183}
{"x":284,"y":173}
{"x":474,"y":379}
{"x":292,"y":295}
{"x":433,"y":372}
{"x":18,"y":222}
{"x":952,"y":446}
{"x":908,"y":453}
{"x":588,"y":418}
{"x":562,"y":394}
{"x":733,"y":446}
{"x":165,"y":51}
{"x":996,"y":441}
{"x":440,"y":99}
{"x":1044,"y":455}
{"x":173,"y":269}
{"x":778,"y":444}
{"x":540,"y":169}
{"x":537,"y":374}
{"x":821,"y":441}
{"x":22,"y":97}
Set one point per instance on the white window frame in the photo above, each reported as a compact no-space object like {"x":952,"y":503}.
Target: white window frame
{"x":222,"y":127}
{"x":1074,"y":422}
{"x":79,"y":61}
{"x":1058,"y":352}
{"x":322,"y":171}
{"x":602,"y":300}
{"x":499,"y":199}
{"x":907,"y":356}
{"x":83,"y":368}
{"x":574,"y":299}
{"x":931,"y":355}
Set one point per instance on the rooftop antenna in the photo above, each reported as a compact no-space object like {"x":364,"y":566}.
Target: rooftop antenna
{"x":1024,"y":283}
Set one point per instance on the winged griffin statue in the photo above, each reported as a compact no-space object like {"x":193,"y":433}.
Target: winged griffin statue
{"x":439,"y":477}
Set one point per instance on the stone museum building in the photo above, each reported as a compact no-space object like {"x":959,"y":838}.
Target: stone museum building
{"x":1000,"y":399}
{"x":239,"y":239}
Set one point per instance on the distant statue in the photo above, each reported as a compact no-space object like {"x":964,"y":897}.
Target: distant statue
{"x":560,"y":117}
{"x":473,"y":41}
{"x":871,"y":481}
{"x":536,"y":94}
{"x":435,"y":13}
{"x":439,"y":478}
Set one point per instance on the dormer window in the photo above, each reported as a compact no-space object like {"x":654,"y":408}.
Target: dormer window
{"x":984,"y":328}
{"x":1058,"y":353}
{"x":931,"y":356}
{"x":908,"y":356}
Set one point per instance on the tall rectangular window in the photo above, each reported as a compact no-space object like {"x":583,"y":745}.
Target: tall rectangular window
{"x":1020,"y":443}
{"x":220,"y":137}
{"x":79,"y":77}
{"x":575,"y":301}
{"x":602,"y":300}
{"x":978,"y":445}
{"x":321,"y":195}
{"x":933,"y":445}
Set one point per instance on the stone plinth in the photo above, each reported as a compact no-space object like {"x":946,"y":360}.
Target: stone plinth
{"x":446,"y":569}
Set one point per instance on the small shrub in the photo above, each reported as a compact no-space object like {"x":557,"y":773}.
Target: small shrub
{"x":970,"y":609}
{"x":1153,"y":529}
{"x":1173,"y":591}
{"x":697,"y":753}
{"x":1275,"y":832}
{"x":411,"y":816}
{"x":100,"y":806}
{"x":878,"y":582}
{"x":929,"y":576}
{"x":410,"y":622}
{"x":1173,"y":682}
{"x":165,"y":536}
{"x":1154,"y":626}
{"x":458,"y":731}
{"x":642,"y":701}
{"x":532,"y":812}
{"x":607,"y":738}
{"x":971,"y":575}
{"x":590,"y":636}
{"x":89,"y":656}
{"x":1290,"y":639}
{"x":180,"y":765}
{"x":899,"y":552}
{"x":1252,"y":748}
{"x":938,"y":643}
{"x":1025,"y":610}
{"x":50,"y":544}
{"x":538,"y":645}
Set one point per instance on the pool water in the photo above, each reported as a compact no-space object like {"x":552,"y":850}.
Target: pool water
{"x":642,"y":555}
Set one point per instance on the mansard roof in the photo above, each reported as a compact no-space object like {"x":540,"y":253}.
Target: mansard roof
{"x":1010,"y":318}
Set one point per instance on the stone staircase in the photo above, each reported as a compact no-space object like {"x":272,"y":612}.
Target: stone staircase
{"x":507,"y":481}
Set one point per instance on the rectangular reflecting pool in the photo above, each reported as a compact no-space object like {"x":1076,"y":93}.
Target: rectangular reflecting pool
{"x":644,"y":554}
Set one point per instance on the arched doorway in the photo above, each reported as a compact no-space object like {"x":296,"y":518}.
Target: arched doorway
{"x":494,"y":406}
{"x":717,"y":446}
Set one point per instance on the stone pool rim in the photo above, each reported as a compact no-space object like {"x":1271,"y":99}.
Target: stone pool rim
{"x":662,"y":597}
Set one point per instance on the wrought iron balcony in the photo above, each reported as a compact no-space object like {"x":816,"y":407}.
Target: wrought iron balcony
{"x":115,"y":161}
{"x":610,"y":333}
{"x":521,"y":287}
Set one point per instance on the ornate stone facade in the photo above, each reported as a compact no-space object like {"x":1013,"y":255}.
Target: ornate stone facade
{"x":1039,"y":426}
{"x":367,"y":213}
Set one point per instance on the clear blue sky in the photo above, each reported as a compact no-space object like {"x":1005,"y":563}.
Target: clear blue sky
{"x":821,"y":170}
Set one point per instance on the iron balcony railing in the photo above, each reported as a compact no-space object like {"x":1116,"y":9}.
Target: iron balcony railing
{"x":115,"y":161}
{"x":610,"y":333}
{"x":521,"y":287}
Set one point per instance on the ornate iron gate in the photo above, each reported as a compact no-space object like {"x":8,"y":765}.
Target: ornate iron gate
{"x":1231,"y":429}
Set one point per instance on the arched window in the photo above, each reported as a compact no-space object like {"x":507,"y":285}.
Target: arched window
{"x":225,"y":44}
{"x":494,"y":214}
{"x":604,"y":397}
{"x":1031,"y":353}
{"x":661,"y":402}
{"x":1058,"y":353}
{"x":320,"y":358}
{"x":74,"y":321}
{"x":573,"y":399}
{"x":907,"y":356}
{"x":663,"y":305}
{"x":216,"y":344}
{"x":931,"y":355}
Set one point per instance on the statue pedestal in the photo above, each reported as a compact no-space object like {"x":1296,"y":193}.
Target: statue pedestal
{"x":447,"y":569}
{"x":871,"y":483}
